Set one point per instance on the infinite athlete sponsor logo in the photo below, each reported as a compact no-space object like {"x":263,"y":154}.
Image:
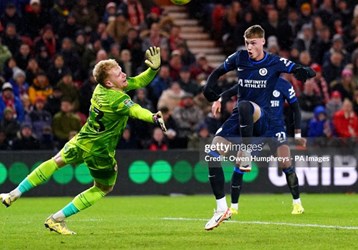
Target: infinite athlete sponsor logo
{"x":249,"y":83}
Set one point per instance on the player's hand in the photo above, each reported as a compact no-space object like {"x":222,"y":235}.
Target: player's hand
{"x":216,"y":108}
{"x":158,"y":119}
{"x":301,"y":141}
{"x":210,"y":94}
{"x":153,"y":58}
{"x":302,"y":73}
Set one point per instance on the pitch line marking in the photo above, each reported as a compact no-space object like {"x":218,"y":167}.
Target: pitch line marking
{"x":268,"y":223}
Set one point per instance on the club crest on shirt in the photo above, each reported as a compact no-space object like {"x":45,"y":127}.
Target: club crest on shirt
{"x":128,"y":103}
{"x":276,"y":93}
{"x":263,"y":71}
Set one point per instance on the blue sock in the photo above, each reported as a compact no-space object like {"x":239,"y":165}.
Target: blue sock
{"x":69,"y":210}
{"x":25,"y":186}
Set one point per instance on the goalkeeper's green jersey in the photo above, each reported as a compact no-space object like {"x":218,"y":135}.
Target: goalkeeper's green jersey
{"x":108,"y":116}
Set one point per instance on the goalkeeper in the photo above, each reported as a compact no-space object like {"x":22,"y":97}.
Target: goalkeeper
{"x":96,"y":142}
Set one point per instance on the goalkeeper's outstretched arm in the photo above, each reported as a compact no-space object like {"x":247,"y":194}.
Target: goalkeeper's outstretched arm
{"x":153,"y":62}
{"x":137,"y":112}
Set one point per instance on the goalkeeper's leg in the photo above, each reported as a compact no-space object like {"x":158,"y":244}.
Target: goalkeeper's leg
{"x":37,"y":177}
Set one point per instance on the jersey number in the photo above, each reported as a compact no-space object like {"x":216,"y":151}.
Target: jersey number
{"x":281,"y":136}
{"x":99,"y":115}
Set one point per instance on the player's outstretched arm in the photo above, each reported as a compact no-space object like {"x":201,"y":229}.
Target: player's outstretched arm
{"x":137,"y":112}
{"x":297,"y":120}
{"x":209,"y":88}
{"x":302,"y":73}
{"x":153,"y":62}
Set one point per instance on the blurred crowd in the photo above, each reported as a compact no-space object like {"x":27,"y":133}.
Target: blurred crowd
{"x":48,"y":49}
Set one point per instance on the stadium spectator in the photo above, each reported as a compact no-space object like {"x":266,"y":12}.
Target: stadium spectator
{"x":334,"y":104}
{"x":333,"y":67}
{"x":345,"y":121}
{"x":53,"y":102}
{"x":110,"y":12}
{"x":40,"y":118}
{"x":345,"y":85}
{"x":57,"y":69}
{"x":154,"y":16}
{"x":70,"y":90}
{"x":11,"y":15}
{"x":187,"y":57}
{"x":4,"y":143}
{"x":28,"y":107}
{"x":288,"y":29}
{"x":135,"y":13}
{"x":171,"y":127}
{"x":26,"y":139}
{"x":154,"y":37}
{"x":69,"y":28}
{"x":320,"y":126}
{"x":201,"y":67}
{"x":323,"y":44}
{"x":23,"y":56}
{"x":5,"y":54}
{"x":171,"y":97}
{"x":118,"y":27}
{"x":355,"y":101}
{"x":40,"y":87}
{"x":175,"y":64}
{"x":160,"y":83}
{"x":70,"y":57}
{"x":187,"y":117}
{"x":9,"y":68}
{"x":133,"y":43}
{"x":32,"y":70}
{"x":187,"y":83}
{"x":9,"y":124}
{"x":9,"y":100}
{"x":86,"y":91}
{"x":320,"y":84}
{"x":354,"y":66}
{"x":43,"y":58}
{"x":127,"y":64}
{"x":200,"y":138}
{"x":58,"y":14}
{"x":11,"y":38}
{"x":158,"y":143}
{"x":37,"y":16}
{"x":141,"y":98}
{"x":127,"y":141}
{"x":307,"y":41}
{"x":337,"y":46}
{"x":85,"y":14}
{"x":19,"y":84}
{"x":65,"y":122}
{"x":46,"y":42}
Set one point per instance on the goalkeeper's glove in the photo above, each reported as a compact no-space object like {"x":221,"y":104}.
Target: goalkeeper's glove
{"x":158,"y":119}
{"x":302,"y":73}
{"x":153,"y":58}
{"x":210,"y":94}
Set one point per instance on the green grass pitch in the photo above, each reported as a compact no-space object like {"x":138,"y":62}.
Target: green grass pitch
{"x":162,"y":222}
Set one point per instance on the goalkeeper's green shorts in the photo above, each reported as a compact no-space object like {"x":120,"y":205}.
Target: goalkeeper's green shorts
{"x":102,"y":169}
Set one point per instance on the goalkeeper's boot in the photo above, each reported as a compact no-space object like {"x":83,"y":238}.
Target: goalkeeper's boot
{"x":7,"y":199}
{"x":57,"y":226}
{"x":218,"y":217}
{"x":297,"y":209}
{"x":245,"y":161}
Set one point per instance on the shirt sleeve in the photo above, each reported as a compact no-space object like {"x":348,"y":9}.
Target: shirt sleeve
{"x":137,"y":112}
{"x":141,"y":80}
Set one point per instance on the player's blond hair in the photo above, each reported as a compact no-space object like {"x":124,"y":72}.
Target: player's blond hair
{"x":254,"y":31}
{"x":101,"y":69}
